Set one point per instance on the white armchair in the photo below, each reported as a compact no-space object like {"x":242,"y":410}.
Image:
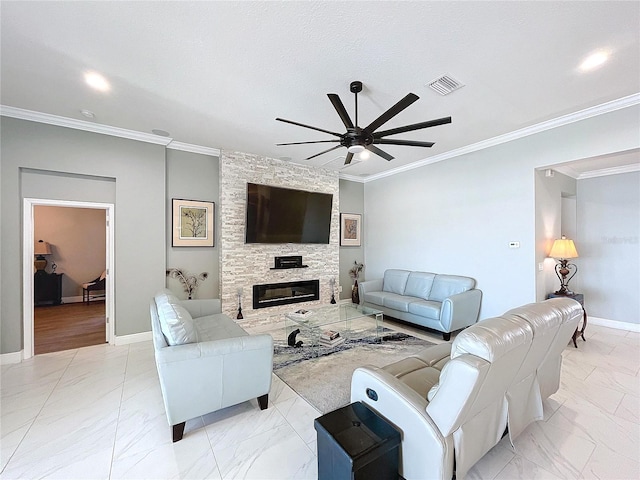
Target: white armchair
{"x":205,"y":360}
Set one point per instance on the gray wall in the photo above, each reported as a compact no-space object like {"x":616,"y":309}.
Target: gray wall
{"x":458,"y":216}
{"x":139,"y":173}
{"x":194,"y":177}
{"x":351,"y":201}
{"x":608,"y":210}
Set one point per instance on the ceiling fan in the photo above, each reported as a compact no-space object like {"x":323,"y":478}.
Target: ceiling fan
{"x":358,"y":139}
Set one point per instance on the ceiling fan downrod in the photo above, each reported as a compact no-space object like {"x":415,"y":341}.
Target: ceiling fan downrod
{"x":356,"y":88}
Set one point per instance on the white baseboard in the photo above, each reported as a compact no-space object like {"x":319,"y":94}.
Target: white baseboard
{"x":133,"y":338}
{"x":603,"y":322}
{"x":10,"y":358}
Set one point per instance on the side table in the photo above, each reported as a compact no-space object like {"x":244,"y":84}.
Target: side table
{"x":47,"y":288}
{"x":355,"y":443}
{"x":578,"y":297}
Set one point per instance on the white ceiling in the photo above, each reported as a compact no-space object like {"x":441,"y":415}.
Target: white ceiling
{"x":217,"y":74}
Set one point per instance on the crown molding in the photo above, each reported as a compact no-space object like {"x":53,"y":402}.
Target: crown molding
{"x":634,"y":167}
{"x":188,"y":147}
{"x":59,"y":121}
{"x":168,"y":142}
{"x":607,"y":107}
{"x":352,"y":178}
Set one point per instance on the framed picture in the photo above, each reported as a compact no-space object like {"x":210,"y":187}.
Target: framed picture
{"x":350,"y":227}
{"x":192,"y":224}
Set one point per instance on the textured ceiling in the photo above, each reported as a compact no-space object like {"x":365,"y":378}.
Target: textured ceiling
{"x":217,"y":74}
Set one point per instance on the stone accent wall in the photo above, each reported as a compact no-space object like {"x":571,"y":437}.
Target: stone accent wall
{"x":244,"y":265}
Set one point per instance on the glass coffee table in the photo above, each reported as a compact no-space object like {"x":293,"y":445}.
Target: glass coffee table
{"x":330,"y":326}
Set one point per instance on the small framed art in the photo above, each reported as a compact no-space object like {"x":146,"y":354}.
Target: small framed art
{"x":193,"y":223}
{"x":350,"y":228}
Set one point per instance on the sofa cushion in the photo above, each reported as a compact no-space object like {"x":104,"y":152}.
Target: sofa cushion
{"x":446,"y":285}
{"x":426,"y":308}
{"x":419,"y":284}
{"x":376,"y":298}
{"x":397,"y":302}
{"x":415,"y":374}
{"x":395,"y":281}
{"x":176,"y":324}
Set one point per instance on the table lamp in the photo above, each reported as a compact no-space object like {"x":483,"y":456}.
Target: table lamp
{"x":41,"y":249}
{"x":562,"y":250}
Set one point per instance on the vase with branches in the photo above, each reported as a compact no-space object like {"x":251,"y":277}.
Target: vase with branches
{"x":190,"y":282}
{"x":354,"y":273}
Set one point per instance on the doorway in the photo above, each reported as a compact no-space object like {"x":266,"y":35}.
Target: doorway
{"x":60,"y":324}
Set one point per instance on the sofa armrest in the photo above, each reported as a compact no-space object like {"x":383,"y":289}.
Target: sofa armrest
{"x":369,"y":286}
{"x":406,"y":410}
{"x":202,"y":307}
{"x":213,"y":348}
{"x":460,"y":310}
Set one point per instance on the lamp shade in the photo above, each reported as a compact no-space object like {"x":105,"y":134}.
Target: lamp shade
{"x":563,"y":248}
{"x":42,"y":248}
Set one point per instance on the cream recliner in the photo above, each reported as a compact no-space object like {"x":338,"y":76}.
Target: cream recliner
{"x":453,"y":403}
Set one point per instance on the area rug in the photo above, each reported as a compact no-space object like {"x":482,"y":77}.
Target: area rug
{"x":325,"y":381}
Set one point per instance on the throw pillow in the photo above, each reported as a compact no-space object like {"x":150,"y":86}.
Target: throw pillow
{"x":176,"y":324}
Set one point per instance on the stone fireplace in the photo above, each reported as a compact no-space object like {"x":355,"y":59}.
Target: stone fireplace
{"x":244,"y":265}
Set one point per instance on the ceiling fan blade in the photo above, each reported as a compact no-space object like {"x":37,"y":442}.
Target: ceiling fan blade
{"x":308,"y":126}
{"x":410,"y":143}
{"x":377,"y":151}
{"x":392,"y":112}
{"x":415,"y":126}
{"x":327,"y":150}
{"x":339,"y":106}
{"x":347,"y":160}
{"x":303,"y":143}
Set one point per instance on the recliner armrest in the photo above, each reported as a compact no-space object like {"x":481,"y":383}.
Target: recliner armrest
{"x":406,"y":410}
{"x":202,"y":307}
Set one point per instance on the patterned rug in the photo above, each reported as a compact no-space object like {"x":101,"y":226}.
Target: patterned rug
{"x":325,"y":381}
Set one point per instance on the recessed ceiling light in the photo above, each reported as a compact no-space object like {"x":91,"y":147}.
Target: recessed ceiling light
{"x":594,"y":60}
{"x":88,"y":114}
{"x":97,"y":81}
{"x":162,"y":133}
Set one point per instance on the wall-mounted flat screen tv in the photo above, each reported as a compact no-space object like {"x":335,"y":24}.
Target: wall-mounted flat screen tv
{"x":285,"y":215}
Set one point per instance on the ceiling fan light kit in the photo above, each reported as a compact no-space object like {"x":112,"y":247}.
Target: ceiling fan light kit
{"x":357,"y":139}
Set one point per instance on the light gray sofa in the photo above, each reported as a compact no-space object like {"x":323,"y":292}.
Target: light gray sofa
{"x":205,"y":360}
{"x":453,"y":402}
{"x":442,"y":302}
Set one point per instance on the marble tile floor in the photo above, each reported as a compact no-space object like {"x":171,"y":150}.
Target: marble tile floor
{"x":97,"y":412}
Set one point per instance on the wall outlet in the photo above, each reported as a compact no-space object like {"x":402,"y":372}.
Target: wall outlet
{"x":339,"y":288}
{"x":540,"y":266}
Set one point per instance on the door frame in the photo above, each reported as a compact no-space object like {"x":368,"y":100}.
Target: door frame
{"x":28,"y":239}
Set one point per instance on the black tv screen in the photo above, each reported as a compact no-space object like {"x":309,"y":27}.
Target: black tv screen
{"x":284,"y":215}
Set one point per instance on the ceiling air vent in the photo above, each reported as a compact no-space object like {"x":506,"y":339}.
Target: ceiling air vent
{"x":445,"y":84}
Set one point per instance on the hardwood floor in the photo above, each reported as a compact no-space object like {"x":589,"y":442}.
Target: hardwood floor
{"x":68,"y":326}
